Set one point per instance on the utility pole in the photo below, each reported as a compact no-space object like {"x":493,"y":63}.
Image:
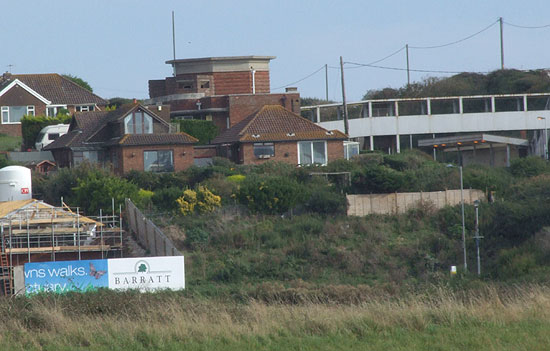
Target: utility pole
{"x":346,"y":126}
{"x":501,"y":45}
{"x":477,"y":237}
{"x":408,"y":70}
{"x":326,"y":82}
{"x":174,"y":42}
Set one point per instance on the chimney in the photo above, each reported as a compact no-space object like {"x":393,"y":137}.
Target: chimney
{"x":6,"y":76}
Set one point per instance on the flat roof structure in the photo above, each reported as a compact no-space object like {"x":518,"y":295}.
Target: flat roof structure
{"x":475,"y":142}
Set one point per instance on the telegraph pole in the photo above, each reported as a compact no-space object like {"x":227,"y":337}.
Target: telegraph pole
{"x":501,"y":45}
{"x":174,"y":41}
{"x":326,"y":82}
{"x":346,"y":127}
{"x":408,"y":70}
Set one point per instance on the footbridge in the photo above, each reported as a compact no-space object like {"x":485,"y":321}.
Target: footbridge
{"x":435,"y":115}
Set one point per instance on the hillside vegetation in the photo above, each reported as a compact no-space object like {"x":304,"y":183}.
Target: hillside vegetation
{"x":275,"y":226}
{"x":507,"y":81}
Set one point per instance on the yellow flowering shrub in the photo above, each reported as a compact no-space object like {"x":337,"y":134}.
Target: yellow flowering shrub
{"x":202,"y":200}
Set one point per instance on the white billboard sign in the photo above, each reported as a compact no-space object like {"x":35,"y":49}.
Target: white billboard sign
{"x":147,"y":273}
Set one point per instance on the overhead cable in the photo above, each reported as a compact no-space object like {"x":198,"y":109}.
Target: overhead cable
{"x":456,"y":41}
{"x":527,"y":27}
{"x":298,"y":81}
{"x":404,"y":69}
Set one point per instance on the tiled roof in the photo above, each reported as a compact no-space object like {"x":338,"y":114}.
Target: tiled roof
{"x":154,"y":139}
{"x":58,"y":89}
{"x":275,"y":123}
{"x":86,"y":130}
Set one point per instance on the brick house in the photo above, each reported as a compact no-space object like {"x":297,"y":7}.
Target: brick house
{"x":41,"y":94}
{"x":224,"y":90}
{"x":132,"y":137}
{"x":274,"y":133}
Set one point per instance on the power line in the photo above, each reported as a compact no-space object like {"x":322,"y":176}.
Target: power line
{"x":454,"y":42}
{"x":527,"y":27}
{"x":298,"y":81}
{"x":404,"y":69}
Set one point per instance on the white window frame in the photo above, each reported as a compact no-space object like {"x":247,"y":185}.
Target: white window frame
{"x":312,"y":154}
{"x":84,"y":108}
{"x":56,"y":109}
{"x":6,"y":110}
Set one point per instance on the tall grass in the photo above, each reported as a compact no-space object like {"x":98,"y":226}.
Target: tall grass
{"x":489,"y":318}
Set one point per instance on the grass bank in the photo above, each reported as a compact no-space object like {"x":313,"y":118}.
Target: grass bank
{"x":487,"y":318}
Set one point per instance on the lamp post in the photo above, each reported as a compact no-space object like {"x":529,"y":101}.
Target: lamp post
{"x":463,"y":223}
{"x":477,"y":237}
{"x":545,"y":137}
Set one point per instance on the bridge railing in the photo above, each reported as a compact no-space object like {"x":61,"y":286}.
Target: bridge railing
{"x":429,"y":106}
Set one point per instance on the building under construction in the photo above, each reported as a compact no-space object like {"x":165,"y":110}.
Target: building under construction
{"x":33,"y":231}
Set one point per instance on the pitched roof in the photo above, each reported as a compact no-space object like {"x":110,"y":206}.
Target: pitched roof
{"x":88,"y":129}
{"x":154,"y":139}
{"x":275,"y":123}
{"x":58,"y":89}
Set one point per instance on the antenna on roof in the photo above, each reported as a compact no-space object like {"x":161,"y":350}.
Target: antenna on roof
{"x":9,"y":67}
{"x":174,"y":42}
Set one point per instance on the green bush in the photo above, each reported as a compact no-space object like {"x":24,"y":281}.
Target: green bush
{"x":205,"y":131}
{"x":528,"y":166}
{"x":32,"y":125}
{"x":325,"y":200}
{"x":377,"y":179}
{"x":269,"y":194}
{"x":98,"y":188}
{"x":165,"y":198}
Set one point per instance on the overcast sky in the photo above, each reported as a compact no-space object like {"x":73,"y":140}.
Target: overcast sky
{"x":118,"y":45}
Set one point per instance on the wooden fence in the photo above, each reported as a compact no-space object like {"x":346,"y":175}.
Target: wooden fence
{"x":362,"y":205}
{"x":148,"y":234}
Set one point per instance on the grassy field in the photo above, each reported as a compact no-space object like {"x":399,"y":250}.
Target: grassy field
{"x":487,"y":318}
{"x":9,"y":143}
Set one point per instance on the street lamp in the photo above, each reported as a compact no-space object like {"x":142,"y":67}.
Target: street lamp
{"x":463,"y":224}
{"x":545,"y":137}
{"x":477,"y":237}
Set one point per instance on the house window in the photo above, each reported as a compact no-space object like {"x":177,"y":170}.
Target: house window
{"x":351,"y":148}
{"x":158,"y":161}
{"x":13,"y":114}
{"x":264,"y":150}
{"x":53,"y":111}
{"x":185,"y":84}
{"x":138,"y":123}
{"x":205,"y":84}
{"x":312,"y":152}
{"x":84,"y":108}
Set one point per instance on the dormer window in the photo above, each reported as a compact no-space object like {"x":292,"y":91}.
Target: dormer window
{"x":138,"y":122}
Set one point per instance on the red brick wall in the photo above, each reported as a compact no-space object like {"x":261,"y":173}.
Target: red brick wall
{"x":18,"y":96}
{"x":240,"y":82}
{"x":243,"y":106}
{"x":131,"y":157}
{"x":335,"y":149}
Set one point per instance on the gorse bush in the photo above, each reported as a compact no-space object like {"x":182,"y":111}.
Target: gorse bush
{"x":200,"y":200}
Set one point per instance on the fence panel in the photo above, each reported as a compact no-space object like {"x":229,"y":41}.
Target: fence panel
{"x":362,"y":205}
{"x":148,"y":234}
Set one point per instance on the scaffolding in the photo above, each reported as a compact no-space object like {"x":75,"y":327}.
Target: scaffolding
{"x":33,"y":231}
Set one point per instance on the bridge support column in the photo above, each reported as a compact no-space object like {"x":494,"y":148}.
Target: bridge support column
{"x":397,"y":144}
{"x":507,"y":155}
{"x":371,"y":143}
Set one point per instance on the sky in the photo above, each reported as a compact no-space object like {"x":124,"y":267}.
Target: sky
{"x":118,"y":45}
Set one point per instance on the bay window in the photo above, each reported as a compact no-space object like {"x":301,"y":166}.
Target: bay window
{"x":13,"y":114}
{"x":312,"y":152}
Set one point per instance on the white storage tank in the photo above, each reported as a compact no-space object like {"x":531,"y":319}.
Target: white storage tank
{"x":15,"y":183}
